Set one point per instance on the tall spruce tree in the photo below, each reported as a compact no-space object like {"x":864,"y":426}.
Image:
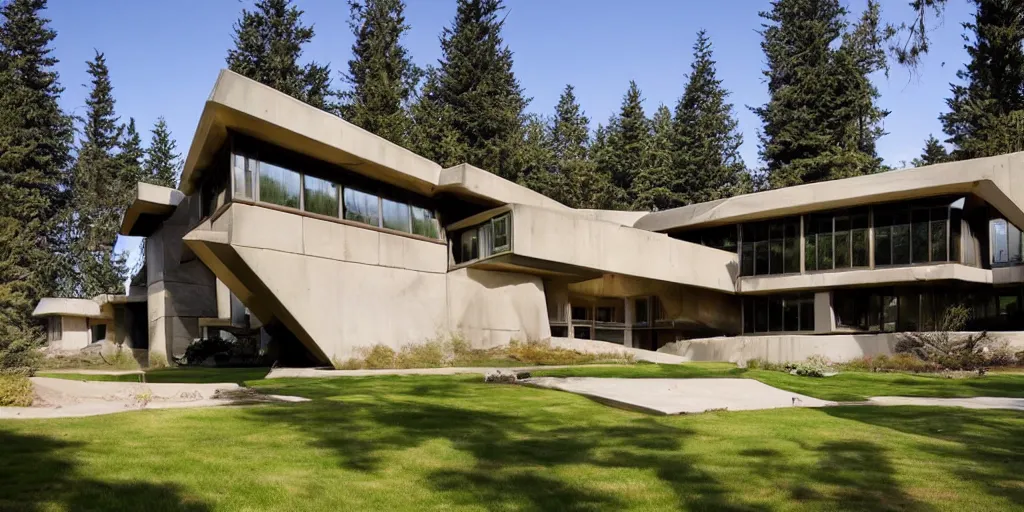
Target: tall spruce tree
{"x":35,"y":145}
{"x":130,"y":158}
{"x":268,"y":45}
{"x":624,"y":154}
{"x":570,"y":128}
{"x":162,"y":160}
{"x":706,"y":144}
{"x":821,"y":121}
{"x":99,"y":185}
{"x":934,"y":153}
{"x":381,"y":74}
{"x":471,"y":107}
{"x":653,"y":184}
{"x":985,"y":110}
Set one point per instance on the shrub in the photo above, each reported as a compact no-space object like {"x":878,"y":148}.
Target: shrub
{"x":894,"y":363}
{"x":763,"y":364}
{"x":379,"y":356}
{"x":456,"y":351}
{"x":947,"y":347}
{"x":15,"y":390}
{"x":814,"y":366}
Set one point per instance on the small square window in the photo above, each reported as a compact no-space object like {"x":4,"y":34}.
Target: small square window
{"x":500,"y":228}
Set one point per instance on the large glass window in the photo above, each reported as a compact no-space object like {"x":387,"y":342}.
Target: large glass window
{"x":836,"y":240}
{"x":321,"y":196}
{"x":270,"y":183}
{"x":488,"y":238}
{"x":722,"y":237}
{"x":770,"y":247}
{"x":499,"y":227}
{"x":778,"y":313}
{"x":279,"y":185}
{"x":908,"y":234}
{"x":396,"y":215}
{"x":362,"y":207}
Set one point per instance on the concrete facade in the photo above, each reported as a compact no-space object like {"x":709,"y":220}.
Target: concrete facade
{"x":502,"y":262}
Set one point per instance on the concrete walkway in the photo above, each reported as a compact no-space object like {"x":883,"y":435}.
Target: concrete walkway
{"x":282,"y":373}
{"x":679,"y":396}
{"x":980,"y":402}
{"x":62,"y":398}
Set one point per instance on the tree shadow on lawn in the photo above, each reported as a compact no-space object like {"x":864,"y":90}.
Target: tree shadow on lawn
{"x":39,"y":473}
{"x":517,"y":456}
{"x":991,"y":439}
{"x":520,"y":449}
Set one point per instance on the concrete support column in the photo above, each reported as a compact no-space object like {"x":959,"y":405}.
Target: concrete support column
{"x":630,"y":310}
{"x":824,"y":319}
{"x":568,"y":318}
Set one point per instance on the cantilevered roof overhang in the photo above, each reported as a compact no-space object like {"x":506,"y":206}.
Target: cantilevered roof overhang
{"x":152,"y":205}
{"x":999,"y":180}
{"x":248,"y":107}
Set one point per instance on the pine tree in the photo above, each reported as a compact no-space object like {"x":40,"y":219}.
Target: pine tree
{"x":162,"y":161}
{"x":706,"y":143}
{"x":130,"y":158}
{"x":35,"y":143}
{"x":628,"y":139}
{"x":934,"y":153}
{"x":471,"y":107}
{"x":99,"y":186}
{"x":381,"y":74}
{"x":821,"y":121}
{"x":566,"y":138}
{"x":654,"y":182}
{"x":985,"y":110}
{"x":570,"y":128}
{"x":268,"y":45}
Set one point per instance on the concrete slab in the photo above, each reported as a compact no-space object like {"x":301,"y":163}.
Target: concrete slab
{"x":680,"y":396}
{"x":981,"y":402}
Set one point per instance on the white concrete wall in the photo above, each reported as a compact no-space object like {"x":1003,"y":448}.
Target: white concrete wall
{"x":794,"y":348}
{"x":490,"y":308}
{"x":571,"y":239}
{"x":75,"y":334}
{"x":341,"y":287}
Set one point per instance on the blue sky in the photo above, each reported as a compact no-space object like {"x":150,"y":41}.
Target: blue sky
{"x":164,"y":56}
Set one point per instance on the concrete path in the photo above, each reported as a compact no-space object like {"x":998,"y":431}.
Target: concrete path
{"x":281,"y":373}
{"x":62,"y":398}
{"x":679,"y":396}
{"x":981,"y":402}
{"x":93,"y":371}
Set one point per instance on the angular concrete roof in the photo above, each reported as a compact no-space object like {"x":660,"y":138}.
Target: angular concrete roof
{"x":151,"y":206}
{"x":67,"y":307}
{"x":251,"y":108}
{"x":999,"y":180}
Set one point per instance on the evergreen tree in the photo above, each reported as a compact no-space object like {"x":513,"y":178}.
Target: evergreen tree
{"x":162,"y":161}
{"x":99,"y":190}
{"x":381,"y":74}
{"x":625,"y":152}
{"x":984,"y":110}
{"x":654,"y":182}
{"x":130,"y":159}
{"x":706,"y":143}
{"x":570,"y":128}
{"x":821,"y":121}
{"x":934,"y":153}
{"x":471,"y":107}
{"x":536,"y":159}
{"x":35,"y":143}
{"x":268,"y":45}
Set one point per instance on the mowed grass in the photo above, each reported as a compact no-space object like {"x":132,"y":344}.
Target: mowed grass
{"x":172,"y":375}
{"x":845,"y":387}
{"x":455,"y":443}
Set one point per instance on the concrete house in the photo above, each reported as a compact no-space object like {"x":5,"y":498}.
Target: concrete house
{"x":323,"y":238}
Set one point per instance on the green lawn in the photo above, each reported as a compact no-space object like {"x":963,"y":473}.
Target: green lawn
{"x":454,"y":443}
{"x":845,"y":387}
{"x":166,"y":375}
